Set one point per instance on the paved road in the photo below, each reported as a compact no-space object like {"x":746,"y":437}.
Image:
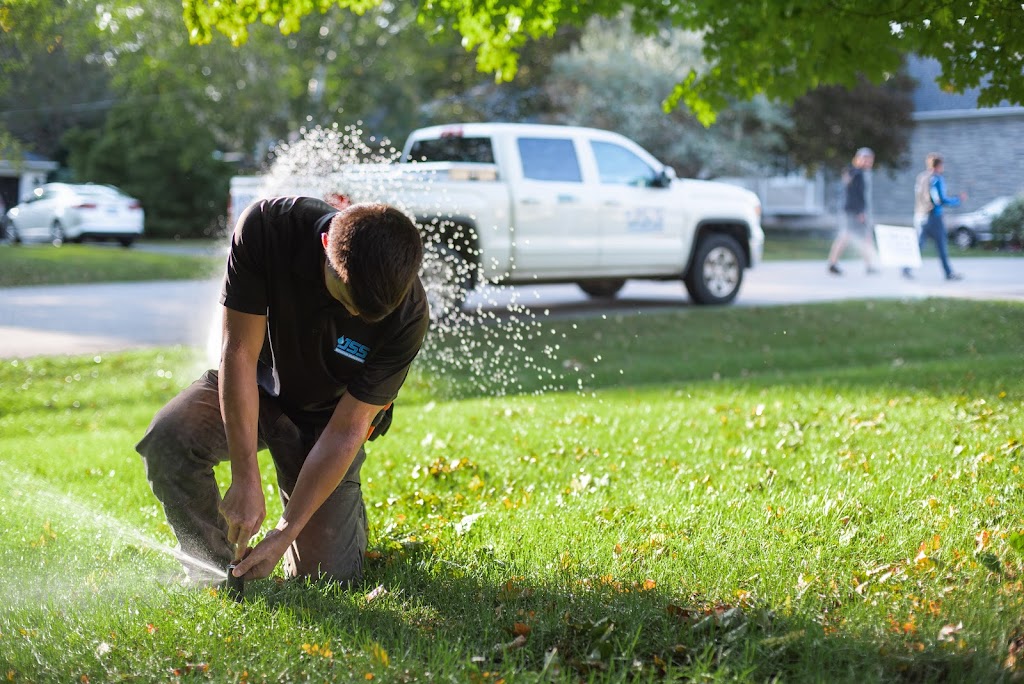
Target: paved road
{"x":82,"y":319}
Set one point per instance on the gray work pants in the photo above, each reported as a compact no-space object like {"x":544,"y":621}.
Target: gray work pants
{"x":186,"y":440}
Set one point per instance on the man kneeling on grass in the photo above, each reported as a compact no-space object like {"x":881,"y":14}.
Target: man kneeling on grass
{"x":324,"y":312}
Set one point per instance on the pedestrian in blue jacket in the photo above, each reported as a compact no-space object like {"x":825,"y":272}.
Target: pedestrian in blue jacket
{"x":934,"y":225}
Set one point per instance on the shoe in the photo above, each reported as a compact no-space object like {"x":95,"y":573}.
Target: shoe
{"x":833,"y":269}
{"x":908,"y":274}
{"x":954,"y":276}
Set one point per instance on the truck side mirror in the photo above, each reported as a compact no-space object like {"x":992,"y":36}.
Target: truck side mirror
{"x":664,"y":177}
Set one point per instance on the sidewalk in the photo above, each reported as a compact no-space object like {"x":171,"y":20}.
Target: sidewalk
{"x":83,"y":319}
{"x":86,"y":319}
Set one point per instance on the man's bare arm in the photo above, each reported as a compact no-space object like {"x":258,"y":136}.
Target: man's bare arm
{"x":244,"y":506}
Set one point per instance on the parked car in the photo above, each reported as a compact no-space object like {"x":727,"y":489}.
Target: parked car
{"x":63,"y":212}
{"x":970,"y":228}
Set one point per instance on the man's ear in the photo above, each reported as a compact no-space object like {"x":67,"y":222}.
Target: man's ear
{"x":323,"y":239}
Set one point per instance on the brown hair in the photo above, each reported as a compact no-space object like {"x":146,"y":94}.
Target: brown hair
{"x":377,"y":250}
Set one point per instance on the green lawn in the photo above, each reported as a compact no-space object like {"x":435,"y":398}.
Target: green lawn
{"x":44,"y":264}
{"x":814,"y":493}
{"x":789,"y":245}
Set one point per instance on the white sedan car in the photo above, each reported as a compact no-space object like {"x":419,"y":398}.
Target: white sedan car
{"x":63,"y":212}
{"x":970,"y":228}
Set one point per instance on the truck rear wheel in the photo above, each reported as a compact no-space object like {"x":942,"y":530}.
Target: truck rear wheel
{"x":602,"y":289}
{"x":716,"y":273}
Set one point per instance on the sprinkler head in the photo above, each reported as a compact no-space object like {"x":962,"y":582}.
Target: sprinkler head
{"x":234,"y":587}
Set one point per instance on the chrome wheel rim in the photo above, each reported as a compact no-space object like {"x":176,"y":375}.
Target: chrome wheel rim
{"x":721,"y":271}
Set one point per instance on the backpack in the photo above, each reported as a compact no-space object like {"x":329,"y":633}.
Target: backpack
{"x":923,"y":202}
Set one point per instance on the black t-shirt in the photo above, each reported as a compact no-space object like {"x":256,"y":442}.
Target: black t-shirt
{"x":315,"y":351}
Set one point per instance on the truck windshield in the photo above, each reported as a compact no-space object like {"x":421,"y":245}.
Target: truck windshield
{"x":452,"y":149}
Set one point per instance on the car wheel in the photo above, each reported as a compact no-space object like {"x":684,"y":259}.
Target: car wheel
{"x":126,"y":242}
{"x":602,"y":289}
{"x":716,"y":273}
{"x":57,"y":234}
{"x":447,"y":277}
{"x":964,"y":238}
{"x":13,"y":234}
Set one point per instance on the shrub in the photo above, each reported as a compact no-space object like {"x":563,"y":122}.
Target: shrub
{"x":1008,"y":227}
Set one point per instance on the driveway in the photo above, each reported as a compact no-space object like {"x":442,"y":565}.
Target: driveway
{"x":85,"y":319}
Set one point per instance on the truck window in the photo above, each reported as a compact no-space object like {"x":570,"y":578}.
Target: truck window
{"x":549,"y":159}
{"x":452,"y":149}
{"x":618,"y":166}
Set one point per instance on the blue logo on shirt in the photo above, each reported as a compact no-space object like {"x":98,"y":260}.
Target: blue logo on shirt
{"x":351,"y":349}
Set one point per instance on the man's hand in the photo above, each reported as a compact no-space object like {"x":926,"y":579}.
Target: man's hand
{"x":261,"y":560}
{"x":244,"y":509}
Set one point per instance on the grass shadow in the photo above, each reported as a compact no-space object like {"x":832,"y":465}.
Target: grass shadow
{"x":485,"y":617}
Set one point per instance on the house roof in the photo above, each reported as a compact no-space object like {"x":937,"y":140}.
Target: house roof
{"x":929,"y":97}
{"x":29,"y":162}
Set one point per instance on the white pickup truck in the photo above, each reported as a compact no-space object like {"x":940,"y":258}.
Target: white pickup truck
{"x":529,"y":203}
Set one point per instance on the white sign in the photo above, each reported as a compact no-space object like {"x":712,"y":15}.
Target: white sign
{"x":897,"y":246}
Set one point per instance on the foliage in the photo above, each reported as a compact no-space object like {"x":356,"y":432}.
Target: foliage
{"x":156,"y":155}
{"x":524,"y":99}
{"x":72,"y":264}
{"x":102,"y":68}
{"x":1009,"y":225}
{"x":56,"y":83}
{"x":376,"y":68}
{"x":779,"y":50}
{"x":613,"y":78}
{"x":806,"y":494}
{"x":831,"y":122}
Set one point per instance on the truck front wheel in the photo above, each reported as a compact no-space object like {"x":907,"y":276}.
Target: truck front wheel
{"x":717,"y":270}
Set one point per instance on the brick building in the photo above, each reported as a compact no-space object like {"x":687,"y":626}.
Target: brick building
{"x":983,"y":148}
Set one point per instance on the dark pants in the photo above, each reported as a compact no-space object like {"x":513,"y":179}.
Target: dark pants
{"x":186,"y":440}
{"x":935,"y":228}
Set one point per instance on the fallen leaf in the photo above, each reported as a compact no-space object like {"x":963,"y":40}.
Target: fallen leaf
{"x":520,"y":629}
{"x":516,"y":643}
{"x":1013,"y":660}
{"x":682,"y":613}
{"x":377,"y":592}
{"x":151,"y":628}
{"x":379,"y":654}
{"x":948,"y":632}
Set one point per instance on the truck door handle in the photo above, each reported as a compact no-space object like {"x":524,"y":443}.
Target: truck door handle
{"x":613,"y":203}
{"x":567,"y":199}
{"x":529,"y":200}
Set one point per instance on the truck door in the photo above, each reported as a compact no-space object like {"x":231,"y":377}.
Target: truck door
{"x":557,"y":231}
{"x":641,"y":225}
